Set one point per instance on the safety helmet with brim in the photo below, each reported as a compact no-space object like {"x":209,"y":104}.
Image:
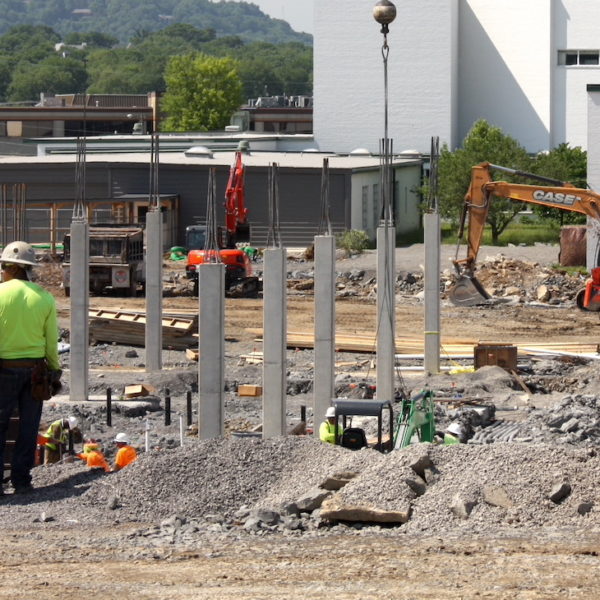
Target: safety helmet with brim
{"x":330,"y":412}
{"x":121,"y":438}
{"x":18,"y":253}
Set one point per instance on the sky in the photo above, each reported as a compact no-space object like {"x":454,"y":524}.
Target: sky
{"x":298,"y":13}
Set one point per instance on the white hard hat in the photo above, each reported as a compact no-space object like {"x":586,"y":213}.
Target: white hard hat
{"x":330,"y":412}
{"x":73,"y":421}
{"x":122,"y":437}
{"x":455,"y":428}
{"x":20,"y":253}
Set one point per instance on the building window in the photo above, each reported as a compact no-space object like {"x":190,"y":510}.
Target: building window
{"x":571,"y":58}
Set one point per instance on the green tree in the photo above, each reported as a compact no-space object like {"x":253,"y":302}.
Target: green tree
{"x":202,"y":92}
{"x":484,"y":143}
{"x":54,"y":75}
{"x":568,"y":165}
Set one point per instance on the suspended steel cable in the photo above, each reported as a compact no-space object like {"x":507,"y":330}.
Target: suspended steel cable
{"x":274,"y":234}
{"x":325,"y":221}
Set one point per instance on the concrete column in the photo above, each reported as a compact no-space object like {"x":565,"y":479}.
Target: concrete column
{"x":431,"y":222}
{"x":154,"y":251}
{"x":80,"y":300}
{"x":386,"y":311}
{"x":211,"y":358}
{"x":274,"y":342}
{"x":324,"y":371}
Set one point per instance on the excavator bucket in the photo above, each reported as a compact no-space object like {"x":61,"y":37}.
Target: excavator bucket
{"x":467,"y":291}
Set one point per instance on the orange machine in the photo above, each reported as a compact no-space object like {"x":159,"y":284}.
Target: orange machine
{"x":468,"y":290}
{"x":239,"y":280}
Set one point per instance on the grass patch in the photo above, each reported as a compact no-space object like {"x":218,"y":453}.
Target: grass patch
{"x":515,"y":233}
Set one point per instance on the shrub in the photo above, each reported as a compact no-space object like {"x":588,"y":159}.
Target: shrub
{"x":353,"y":241}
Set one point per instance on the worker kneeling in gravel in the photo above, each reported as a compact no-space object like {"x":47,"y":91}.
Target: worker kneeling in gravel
{"x":57,"y":439}
{"x":327,"y":427}
{"x":93,"y":456}
{"x":453,"y":434}
{"x":126,"y":454}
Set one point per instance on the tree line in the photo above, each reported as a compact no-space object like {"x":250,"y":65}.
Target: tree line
{"x":30,"y":64}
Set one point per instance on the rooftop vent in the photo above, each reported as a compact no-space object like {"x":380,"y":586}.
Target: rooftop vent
{"x":360,"y":152}
{"x":200,"y":151}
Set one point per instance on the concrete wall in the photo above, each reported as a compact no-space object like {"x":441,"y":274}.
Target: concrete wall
{"x":452,"y":62}
{"x":593,"y":171}
{"x":366,"y":211}
{"x":348,"y":75}
{"x":504,"y":65}
{"x":576,"y":24}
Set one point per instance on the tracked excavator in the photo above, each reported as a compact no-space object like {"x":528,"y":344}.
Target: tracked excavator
{"x":239,"y":279}
{"x":468,"y":290}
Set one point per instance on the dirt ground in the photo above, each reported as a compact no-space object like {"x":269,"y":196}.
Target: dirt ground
{"x":52,"y":562}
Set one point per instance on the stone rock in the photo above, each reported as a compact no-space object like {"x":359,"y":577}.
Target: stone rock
{"x":334,"y":509}
{"x":338,"y":480}
{"x":420,"y":463}
{"x":312,"y":500}
{"x":543,"y":293}
{"x":497,"y":496}
{"x":585,"y":507}
{"x":570,"y":425}
{"x":266,"y":516}
{"x":416,"y":484}
{"x":559,"y":492}
{"x":461,"y":507}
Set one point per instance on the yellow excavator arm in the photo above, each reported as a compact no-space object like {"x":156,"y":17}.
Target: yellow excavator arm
{"x":557,"y":194}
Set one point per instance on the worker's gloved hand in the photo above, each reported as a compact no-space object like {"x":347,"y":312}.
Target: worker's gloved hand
{"x":55,"y":383}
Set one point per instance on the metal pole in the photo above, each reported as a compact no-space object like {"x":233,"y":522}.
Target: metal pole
{"x":109,"y":407}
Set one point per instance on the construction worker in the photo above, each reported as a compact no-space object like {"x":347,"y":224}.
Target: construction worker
{"x":453,"y":434}
{"x":57,"y":439}
{"x":327,"y":427}
{"x":126,"y":454}
{"x":93,"y":456}
{"x":28,"y":356}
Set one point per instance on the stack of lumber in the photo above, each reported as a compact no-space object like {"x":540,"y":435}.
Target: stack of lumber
{"x":366,"y":342}
{"x":123,"y":327}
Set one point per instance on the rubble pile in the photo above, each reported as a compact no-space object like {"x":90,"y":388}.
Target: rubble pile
{"x":574,"y":420}
{"x":502,"y":277}
{"x":527,"y":281}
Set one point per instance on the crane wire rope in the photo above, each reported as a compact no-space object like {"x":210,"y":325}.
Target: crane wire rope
{"x":211,"y":243}
{"x":325,"y":221}
{"x":274,"y":234}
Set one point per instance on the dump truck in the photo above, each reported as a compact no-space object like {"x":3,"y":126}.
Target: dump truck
{"x":116,"y":259}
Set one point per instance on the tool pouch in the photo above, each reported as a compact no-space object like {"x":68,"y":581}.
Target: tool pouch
{"x":40,"y":382}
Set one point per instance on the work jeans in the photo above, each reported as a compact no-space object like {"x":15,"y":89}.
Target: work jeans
{"x":15,"y":392}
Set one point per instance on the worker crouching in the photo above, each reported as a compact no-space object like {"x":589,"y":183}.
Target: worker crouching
{"x":126,"y":454}
{"x":327,"y":428}
{"x":94,"y":458}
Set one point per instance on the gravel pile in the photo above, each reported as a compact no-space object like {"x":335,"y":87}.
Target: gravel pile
{"x":238,"y":486}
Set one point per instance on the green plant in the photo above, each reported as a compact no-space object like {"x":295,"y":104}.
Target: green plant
{"x":353,"y":241}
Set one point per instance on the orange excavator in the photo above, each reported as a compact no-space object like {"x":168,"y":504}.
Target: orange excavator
{"x":468,"y":291}
{"x":239,"y":280}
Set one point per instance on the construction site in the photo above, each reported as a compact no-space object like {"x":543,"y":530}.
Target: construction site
{"x":255,"y":516}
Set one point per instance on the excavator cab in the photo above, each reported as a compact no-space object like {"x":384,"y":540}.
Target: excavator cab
{"x":416,"y":420}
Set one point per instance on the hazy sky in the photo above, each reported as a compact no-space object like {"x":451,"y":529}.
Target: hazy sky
{"x":298,"y":13}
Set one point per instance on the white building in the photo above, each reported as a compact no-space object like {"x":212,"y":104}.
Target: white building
{"x":522,"y":66}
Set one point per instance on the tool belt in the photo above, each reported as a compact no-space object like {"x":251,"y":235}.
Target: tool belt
{"x":41,"y":380}
{"x":20,"y":363}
